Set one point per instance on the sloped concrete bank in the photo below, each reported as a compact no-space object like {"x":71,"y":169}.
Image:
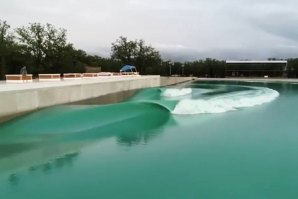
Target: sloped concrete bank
{"x":19,"y":98}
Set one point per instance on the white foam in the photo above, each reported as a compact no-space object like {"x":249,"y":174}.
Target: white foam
{"x":226,"y":102}
{"x":174,"y":92}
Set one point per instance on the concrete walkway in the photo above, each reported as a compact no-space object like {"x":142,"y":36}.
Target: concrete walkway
{"x":72,"y":82}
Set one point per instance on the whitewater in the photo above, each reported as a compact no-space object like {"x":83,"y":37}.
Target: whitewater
{"x":219,"y":103}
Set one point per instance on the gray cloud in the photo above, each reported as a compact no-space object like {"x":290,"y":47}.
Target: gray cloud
{"x":181,"y":30}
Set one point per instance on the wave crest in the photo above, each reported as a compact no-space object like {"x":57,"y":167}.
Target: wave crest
{"x":175,"y":92}
{"x":226,"y":102}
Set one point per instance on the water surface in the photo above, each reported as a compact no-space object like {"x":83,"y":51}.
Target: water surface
{"x":207,"y":140}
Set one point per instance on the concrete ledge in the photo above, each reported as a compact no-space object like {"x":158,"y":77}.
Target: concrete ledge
{"x":72,"y":76}
{"x":18,"y":78}
{"x":90,"y":75}
{"x":49,"y":77}
{"x":18,"y":98}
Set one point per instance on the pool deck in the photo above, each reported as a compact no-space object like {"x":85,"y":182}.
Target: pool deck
{"x":17,"y":98}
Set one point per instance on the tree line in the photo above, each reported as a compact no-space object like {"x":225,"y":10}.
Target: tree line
{"x":44,"y":48}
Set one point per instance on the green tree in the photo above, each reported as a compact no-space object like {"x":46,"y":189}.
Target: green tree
{"x":293,"y":67}
{"x":6,"y":46}
{"x":147,"y":59}
{"x":45,"y":44}
{"x":144,"y":57}
{"x":124,"y":50}
{"x":70,"y":62}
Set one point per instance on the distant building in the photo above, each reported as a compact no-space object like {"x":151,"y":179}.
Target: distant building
{"x":267,"y":68}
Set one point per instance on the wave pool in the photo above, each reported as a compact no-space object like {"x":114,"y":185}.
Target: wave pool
{"x":205,"y":139}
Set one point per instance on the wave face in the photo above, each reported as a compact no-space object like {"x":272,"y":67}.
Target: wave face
{"x":149,"y":108}
{"x":201,"y":98}
{"x":220,"y":101}
{"x":84,"y":122}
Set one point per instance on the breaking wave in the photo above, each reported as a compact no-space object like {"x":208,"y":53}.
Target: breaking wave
{"x":229,"y":101}
{"x":175,"y":92}
{"x":150,"y":109}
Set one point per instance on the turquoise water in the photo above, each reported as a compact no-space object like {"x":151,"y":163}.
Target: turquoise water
{"x":206,"y":140}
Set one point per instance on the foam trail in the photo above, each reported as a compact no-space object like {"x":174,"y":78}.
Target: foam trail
{"x":226,"y":102}
{"x":174,"y":92}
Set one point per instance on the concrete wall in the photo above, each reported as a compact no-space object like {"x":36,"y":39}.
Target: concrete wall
{"x":27,"y":97}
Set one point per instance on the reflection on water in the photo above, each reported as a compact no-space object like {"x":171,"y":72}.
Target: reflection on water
{"x":13,"y":179}
{"x":45,"y":134}
{"x":65,"y":161}
{"x":136,"y":138}
{"x":57,"y":163}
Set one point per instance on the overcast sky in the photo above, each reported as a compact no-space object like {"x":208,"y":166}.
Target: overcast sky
{"x":179,"y":29}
